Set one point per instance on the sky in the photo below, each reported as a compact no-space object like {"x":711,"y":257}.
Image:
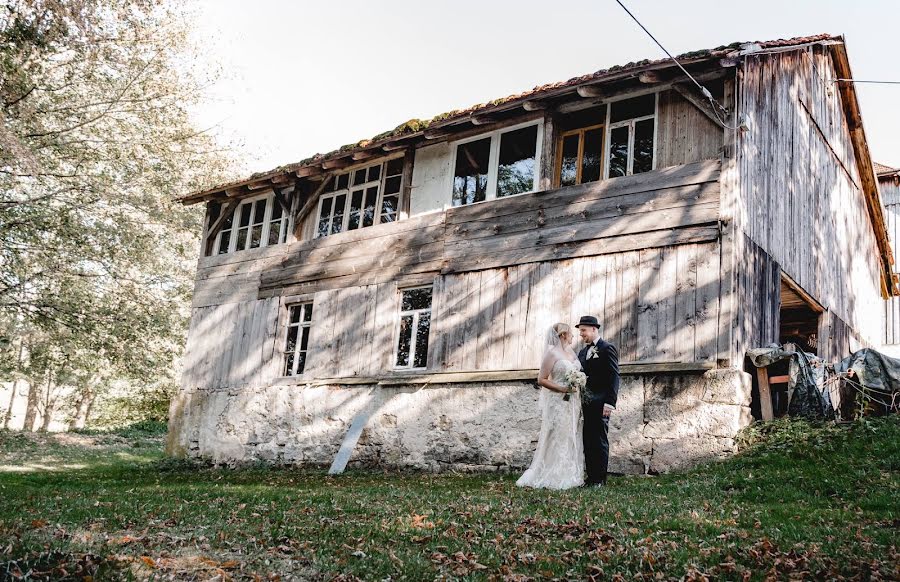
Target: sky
{"x":299,"y":78}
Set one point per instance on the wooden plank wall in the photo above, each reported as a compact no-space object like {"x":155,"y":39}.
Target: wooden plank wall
{"x":890,"y":196}
{"x":758,"y":292}
{"x":684,"y":135}
{"x":799,"y":197}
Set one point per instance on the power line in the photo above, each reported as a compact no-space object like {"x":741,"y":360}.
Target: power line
{"x":703,"y":89}
{"x":857,"y":81}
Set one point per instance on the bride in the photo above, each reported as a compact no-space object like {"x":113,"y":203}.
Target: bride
{"x":558,"y":462}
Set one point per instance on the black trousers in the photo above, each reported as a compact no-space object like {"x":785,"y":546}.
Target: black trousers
{"x":595,"y":435}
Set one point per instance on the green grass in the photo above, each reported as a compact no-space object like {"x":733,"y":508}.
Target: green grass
{"x":801,"y":500}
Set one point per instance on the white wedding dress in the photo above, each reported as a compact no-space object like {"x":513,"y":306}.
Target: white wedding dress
{"x":558,"y":462}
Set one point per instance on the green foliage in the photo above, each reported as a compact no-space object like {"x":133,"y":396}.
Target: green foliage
{"x":801,"y":501}
{"x":95,"y":142}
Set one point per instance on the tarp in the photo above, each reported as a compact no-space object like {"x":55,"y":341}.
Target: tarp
{"x":808,"y":395}
{"x":876,"y":378}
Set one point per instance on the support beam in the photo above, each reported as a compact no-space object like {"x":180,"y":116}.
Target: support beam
{"x":282,"y":199}
{"x":436,"y":134}
{"x":590,"y":91}
{"x":308,"y":171}
{"x":700,"y":102}
{"x":483,"y":120}
{"x":310,"y":204}
{"x":336,"y":164}
{"x":533,"y":106}
{"x":394,"y":146}
{"x":365,"y":155}
{"x":649,"y":77}
{"x":226,"y":211}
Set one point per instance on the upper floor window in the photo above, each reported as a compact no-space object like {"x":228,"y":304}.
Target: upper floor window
{"x":361,"y":198}
{"x":256,"y":222}
{"x":631,"y":135}
{"x":580,"y":156}
{"x":502,"y":163}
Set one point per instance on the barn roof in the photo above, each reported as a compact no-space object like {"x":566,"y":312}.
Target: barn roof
{"x":409,"y":131}
{"x":881,"y":170}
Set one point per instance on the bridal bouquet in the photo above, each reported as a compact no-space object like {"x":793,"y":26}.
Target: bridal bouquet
{"x":575,"y":380}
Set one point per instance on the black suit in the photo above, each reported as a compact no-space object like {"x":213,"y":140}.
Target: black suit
{"x":602,"y":388}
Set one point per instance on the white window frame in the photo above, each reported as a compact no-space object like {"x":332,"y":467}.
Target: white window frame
{"x":494,"y":160}
{"x":351,"y":187}
{"x":267,"y":223}
{"x":629,"y":123}
{"x":415,"y":327}
{"x":299,"y":325}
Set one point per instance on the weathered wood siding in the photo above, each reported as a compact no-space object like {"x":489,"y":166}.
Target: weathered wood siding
{"x":799,"y":197}
{"x":640,"y":252}
{"x":684,"y":135}
{"x":758,"y":294}
{"x":890,"y":196}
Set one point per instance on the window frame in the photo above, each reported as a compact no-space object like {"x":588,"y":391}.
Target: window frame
{"x":348,"y":191}
{"x":557,"y":179}
{"x":629,"y":123}
{"x":306,"y":303}
{"x":415,"y":327}
{"x":271,"y":201}
{"x":494,"y":160}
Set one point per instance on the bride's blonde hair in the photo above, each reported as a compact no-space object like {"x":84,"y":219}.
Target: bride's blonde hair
{"x":561,"y":328}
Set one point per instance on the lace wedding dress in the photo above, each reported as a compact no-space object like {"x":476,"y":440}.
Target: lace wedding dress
{"x":558,"y":462}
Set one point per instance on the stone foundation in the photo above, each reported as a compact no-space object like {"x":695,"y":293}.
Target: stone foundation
{"x":662,"y":423}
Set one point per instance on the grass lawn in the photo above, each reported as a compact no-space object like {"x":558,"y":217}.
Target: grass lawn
{"x":800,"y":501}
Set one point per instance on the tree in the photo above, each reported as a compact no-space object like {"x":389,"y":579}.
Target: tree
{"x":96,"y":140}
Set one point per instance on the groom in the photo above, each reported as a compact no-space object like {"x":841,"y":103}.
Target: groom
{"x":600,"y":362}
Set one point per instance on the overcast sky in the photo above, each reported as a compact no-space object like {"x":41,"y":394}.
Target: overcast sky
{"x":301,"y":78}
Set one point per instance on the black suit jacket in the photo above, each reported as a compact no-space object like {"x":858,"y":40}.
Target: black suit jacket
{"x":602,"y":373}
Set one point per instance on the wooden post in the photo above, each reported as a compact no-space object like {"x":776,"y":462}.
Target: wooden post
{"x":765,"y":394}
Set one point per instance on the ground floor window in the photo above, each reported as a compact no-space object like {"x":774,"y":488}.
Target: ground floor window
{"x":413,"y":328}
{"x":295,"y":350}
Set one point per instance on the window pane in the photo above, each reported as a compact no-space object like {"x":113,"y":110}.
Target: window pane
{"x":259,"y":211}
{"x":404,"y":342}
{"x":304,"y":339}
{"x":291,"y":345}
{"x":241,"y":239}
{"x":307,"y":313}
{"x":343,"y":181}
{"x":593,"y":153}
{"x":359,"y":177}
{"x":643,"y":146}
{"x":337,"y":223}
{"x":224,"y":241}
{"x":369,"y":208}
{"x":394,"y":167}
{"x":301,"y":362}
{"x":276,"y":210}
{"x":568,"y":167}
{"x":288,"y":364}
{"x":470,"y":175}
{"x":618,"y":152}
{"x":245,"y":215}
{"x":515,"y":172}
{"x":416,"y":299}
{"x":392,"y":185}
{"x":631,"y":108}
{"x":274,"y":232}
{"x":389,"y":208}
{"x":296,"y":310}
{"x":374,"y":173}
{"x":255,"y":236}
{"x":355,"y":207}
{"x":325,"y":216}
{"x":422,"y":340}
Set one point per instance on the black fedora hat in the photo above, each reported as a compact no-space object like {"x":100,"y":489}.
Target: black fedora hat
{"x":588,"y":320}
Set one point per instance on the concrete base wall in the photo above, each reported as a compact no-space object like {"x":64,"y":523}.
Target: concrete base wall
{"x":663,"y":422}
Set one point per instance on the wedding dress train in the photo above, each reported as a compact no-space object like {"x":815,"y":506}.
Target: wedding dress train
{"x":558,"y":462}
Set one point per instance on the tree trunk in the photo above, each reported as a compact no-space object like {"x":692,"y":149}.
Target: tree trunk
{"x":83,"y":407}
{"x":48,"y":403}
{"x":7,"y":418}
{"x":31,"y":409}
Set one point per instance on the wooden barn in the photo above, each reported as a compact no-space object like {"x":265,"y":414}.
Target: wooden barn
{"x":389,"y":298}
{"x":889,"y":182}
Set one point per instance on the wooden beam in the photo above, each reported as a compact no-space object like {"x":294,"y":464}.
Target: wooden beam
{"x":226,"y":211}
{"x":310,"y":204}
{"x":649,"y":77}
{"x":336,"y":164}
{"x":812,"y":303}
{"x":394,"y":146}
{"x":365,"y":155}
{"x":701,"y":103}
{"x":533,"y":106}
{"x":590,"y":91}
{"x":282,"y":199}
{"x":483,"y":120}
{"x":307,"y":171}
{"x":765,"y":394}
{"x":436,"y":134}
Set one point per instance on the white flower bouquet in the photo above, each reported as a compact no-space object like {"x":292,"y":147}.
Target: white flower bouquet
{"x":575,"y":380}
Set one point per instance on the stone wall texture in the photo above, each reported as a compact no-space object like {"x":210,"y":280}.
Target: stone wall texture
{"x":662,"y":423}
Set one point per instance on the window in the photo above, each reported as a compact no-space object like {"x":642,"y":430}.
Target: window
{"x":260,"y":221}
{"x":500,"y":164}
{"x":361,"y":198}
{"x":295,"y":349}
{"x":415,"y":325}
{"x":580,"y":156}
{"x":631,"y":136}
